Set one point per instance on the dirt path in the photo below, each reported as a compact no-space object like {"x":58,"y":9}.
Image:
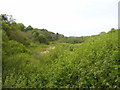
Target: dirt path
{"x":48,"y":49}
{"x":37,"y":54}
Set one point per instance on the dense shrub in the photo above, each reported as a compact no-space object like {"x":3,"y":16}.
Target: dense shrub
{"x":4,"y":36}
{"x":94,"y":63}
{"x":73,"y":40}
{"x":13,"y":47}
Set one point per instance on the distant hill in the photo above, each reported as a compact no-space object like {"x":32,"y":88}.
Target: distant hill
{"x":19,"y":32}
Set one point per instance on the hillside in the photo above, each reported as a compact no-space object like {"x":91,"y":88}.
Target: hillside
{"x":38,"y":58}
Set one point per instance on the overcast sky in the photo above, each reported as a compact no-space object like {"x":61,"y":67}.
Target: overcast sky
{"x":68,"y":17}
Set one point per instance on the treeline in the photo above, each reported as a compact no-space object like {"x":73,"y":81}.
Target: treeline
{"x":73,"y":40}
{"x":25,"y":35}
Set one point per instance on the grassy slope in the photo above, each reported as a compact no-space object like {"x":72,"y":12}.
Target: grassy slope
{"x":89,"y":64}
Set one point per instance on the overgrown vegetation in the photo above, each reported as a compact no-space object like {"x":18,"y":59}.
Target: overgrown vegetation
{"x":73,"y":40}
{"x":91,"y":63}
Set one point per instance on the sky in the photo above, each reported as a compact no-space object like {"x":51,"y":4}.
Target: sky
{"x":68,"y":17}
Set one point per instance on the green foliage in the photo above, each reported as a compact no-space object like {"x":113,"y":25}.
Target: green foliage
{"x":42,"y":39}
{"x":8,"y":19}
{"x":5,"y":27}
{"x":4,"y":36}
{"x":26,"y":35}
{"x":20,"y":36}
{"x":91,"y":63}
{"x":73,"y":40}
{"x":29,"y":27}
{"x":12,"y":47}
{"x":21,"y":26}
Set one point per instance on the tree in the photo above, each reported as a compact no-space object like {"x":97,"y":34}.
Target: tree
{"x":112,"y":30}
{"x":57,"y":33}
{"x":8,"y":19}
{"x":102,"y":33}
{"x":21,"y":26}
{"x":35,"y":34}
{"x":29,"y":28}
{"x":57,"y":36}
{"x":42,"y":39}
{"x":3,"y":17}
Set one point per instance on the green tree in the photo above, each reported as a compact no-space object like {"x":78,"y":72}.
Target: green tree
{"x":7,"y":18}
{"x":112,"y":30}
{"x":42,"y":39}
{"x":21,"y":26}
{"x":35,"y":34}
{"x":4,"y":36}
{"x":29,"y":28}
{"x":102,"y":33}
{"x":3,"y":17}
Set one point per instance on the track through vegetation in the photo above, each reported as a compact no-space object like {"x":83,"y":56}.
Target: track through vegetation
{"x":48,"y":50}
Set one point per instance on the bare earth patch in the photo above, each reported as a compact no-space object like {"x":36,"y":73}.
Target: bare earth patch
{"x":48,"y":49}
